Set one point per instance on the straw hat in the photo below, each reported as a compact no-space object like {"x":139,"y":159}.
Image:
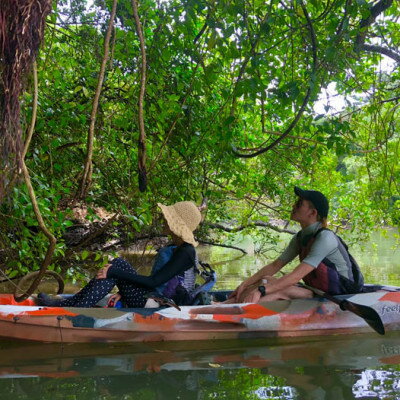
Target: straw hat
{"x":182,"y":218}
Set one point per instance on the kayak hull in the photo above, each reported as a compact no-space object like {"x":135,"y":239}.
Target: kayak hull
{"x":275,"y":320}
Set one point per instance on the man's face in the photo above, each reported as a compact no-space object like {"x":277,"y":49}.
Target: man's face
{"x":302,"y":210}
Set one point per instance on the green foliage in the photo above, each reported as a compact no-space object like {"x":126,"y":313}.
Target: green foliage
{"x":218,"y":74}
{"x":21,"y":232}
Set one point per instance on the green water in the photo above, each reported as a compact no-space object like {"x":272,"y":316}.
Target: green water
{"x":353,"y":367}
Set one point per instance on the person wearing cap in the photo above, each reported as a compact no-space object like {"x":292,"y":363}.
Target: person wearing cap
{"x":325,"y":262}
{"x":181,"y":220}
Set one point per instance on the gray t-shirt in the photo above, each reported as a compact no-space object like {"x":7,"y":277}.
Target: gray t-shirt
{"x":324,"y":246}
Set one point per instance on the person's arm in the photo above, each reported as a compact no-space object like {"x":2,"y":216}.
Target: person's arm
{"x":181,"y":260}
{"x":271,"y":269}
{"x":324,"y":244}
{"x":289,"y":279}
{"x":276,"y":285}
{"x":267,"y":270}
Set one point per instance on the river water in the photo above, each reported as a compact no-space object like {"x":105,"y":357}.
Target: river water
{"x":353,"y":367}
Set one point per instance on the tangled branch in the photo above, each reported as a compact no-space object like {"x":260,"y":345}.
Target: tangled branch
{"x":305,"y":100}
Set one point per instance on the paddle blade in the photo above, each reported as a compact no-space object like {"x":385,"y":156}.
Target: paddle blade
{"x":162,"y":300}
{"x":368,"y":314}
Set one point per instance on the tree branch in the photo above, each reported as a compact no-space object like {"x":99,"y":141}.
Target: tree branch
{"x":87,"y":173}
{"x":171,"y":129}
{"x":305,"y":101}
{"x":375,"y":10}
{"x":381,"y":50}
{"x":245,"y":197}
{"x":142,"y":133}
{"x":250,"y":225}
{"x":222,"y":245}
{"x":202,"y":30}
{"x":365,"y":23}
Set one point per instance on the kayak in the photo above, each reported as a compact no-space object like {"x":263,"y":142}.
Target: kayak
{"x":283,"y":319}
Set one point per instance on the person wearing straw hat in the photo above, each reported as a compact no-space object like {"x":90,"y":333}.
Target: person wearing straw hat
{"x":178,"y":262}
{"x":325,"y":262}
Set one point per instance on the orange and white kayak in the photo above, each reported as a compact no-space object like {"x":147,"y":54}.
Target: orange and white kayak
{"x":275,"y":320}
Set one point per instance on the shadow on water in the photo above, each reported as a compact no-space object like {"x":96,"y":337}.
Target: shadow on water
{"x":361,"y":366}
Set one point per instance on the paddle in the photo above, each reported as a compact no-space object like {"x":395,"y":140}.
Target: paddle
{"x":162,"y":300}
{"x":368,"y":314}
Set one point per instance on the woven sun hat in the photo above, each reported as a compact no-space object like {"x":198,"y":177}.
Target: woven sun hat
{"x":182,"y":218}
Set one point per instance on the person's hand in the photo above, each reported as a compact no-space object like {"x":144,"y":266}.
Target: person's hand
{"x":102,"y":272}
{"x":113,"y":300}
{"x":253,"y":296}
{"x":233,"y":294}
{"x":240,"y":289}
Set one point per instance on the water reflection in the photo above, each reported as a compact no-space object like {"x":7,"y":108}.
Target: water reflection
{"x":378,"y":384}
{"x":363,"y":366}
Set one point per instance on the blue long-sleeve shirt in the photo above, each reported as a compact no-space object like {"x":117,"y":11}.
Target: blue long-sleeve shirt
{"x":182,"y":259}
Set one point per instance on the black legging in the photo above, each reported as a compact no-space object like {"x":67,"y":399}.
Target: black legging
{"x":96,"y":289}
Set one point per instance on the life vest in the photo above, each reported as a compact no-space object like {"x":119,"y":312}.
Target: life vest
{"x":326,"y":276}
{"x":187,"y":279}
{"x":182,"y":288}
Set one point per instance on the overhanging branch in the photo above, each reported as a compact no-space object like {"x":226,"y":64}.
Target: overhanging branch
{"x":305,"y":101}
{"x":381,"y":50}
{"x":365,"y":23}
{"x":253,"y":224}
{"x":222,"y":245}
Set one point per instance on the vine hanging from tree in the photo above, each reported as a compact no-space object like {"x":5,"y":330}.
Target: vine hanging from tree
{"x":88,"y":169}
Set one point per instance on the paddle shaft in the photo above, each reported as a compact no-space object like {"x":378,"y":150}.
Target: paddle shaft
{"x":323,"y":294}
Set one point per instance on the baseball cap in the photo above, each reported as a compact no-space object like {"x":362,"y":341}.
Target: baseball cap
{"x":319,"y":201}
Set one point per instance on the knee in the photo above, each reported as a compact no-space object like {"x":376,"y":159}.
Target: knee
{"x":121,"y":264}
{"x":299,"y":293}
{"x":275,"y":296}
{"x":309,"y":294}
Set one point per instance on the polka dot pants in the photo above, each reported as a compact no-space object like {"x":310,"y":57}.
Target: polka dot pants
{"x":96,"y":289}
